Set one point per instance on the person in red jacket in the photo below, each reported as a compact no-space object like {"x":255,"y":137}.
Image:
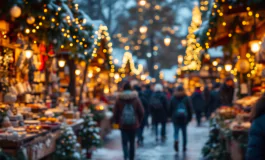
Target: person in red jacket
{"x":128,"y":113}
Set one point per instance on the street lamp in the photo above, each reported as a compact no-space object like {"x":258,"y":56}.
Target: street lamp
{"x":215,"y":63}
{"x":77,"y":72}
{"x":142,"y":2}
{"x":228,"y":67}
{"x":167,"y":41}
{"x":180,"y":59}
{"x":61,"y":63}
{"x":143,"y":29}
{"x":255,"y":45}
{"x":28,"y":52}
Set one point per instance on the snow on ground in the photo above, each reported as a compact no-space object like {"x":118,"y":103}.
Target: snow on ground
{"x":156,"y":151}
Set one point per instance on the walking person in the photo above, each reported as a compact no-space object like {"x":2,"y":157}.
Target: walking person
{"x":207,"y":98}
{"x":256,"y":138}
{"x":215,"y":101}
{"x":159,"y":111}
{"x":198,"y":104}
{"x":144,"y":101}
{"x":128,"y":113}
{"x":227,"y":92}
{"x":181,"y":115}
{"x":148,"y":92}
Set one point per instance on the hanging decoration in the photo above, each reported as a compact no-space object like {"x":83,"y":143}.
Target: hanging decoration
{"x":15,"y":11}
{"x":243,"y":66}
{"x":30,"y":20}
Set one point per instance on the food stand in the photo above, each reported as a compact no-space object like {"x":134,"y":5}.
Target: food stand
{"x":37,"y":76}
{"x":239,"y":27}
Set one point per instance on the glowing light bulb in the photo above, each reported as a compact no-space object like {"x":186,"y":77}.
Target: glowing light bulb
{"x":61,"y":63}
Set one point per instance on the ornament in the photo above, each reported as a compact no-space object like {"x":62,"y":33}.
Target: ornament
{"x":15,"y":11}
{"x":242,"y":66}
{"x":30,"y":20}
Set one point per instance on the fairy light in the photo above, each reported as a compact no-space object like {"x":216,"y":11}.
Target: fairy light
{"x":128,"y":58}
{"x":191,"y":59}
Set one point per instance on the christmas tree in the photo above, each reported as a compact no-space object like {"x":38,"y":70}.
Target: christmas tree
{"x":90,"y":133}
{"x":66,"y":148}
{"x":159,"y":19}
{"x":192,"y":57}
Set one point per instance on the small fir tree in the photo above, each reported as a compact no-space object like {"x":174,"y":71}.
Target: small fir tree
{"x":67,"y":145}
{"x":90,"y":133}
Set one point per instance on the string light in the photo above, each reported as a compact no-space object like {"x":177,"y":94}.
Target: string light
{"x":191,"y":59}
{"x":128,"y":58}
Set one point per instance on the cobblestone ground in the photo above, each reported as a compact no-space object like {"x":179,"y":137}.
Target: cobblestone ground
{"x":156,"y":151}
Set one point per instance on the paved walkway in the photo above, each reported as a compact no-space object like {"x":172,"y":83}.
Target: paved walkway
{"x":156,"y":151}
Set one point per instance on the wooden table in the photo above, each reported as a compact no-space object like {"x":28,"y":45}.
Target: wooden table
{"x":37,"y":146}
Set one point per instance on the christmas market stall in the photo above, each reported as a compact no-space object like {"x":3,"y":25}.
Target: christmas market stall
{"x":95,"y":85}
{"x":239,"y":27}
{"x":37,"y":116}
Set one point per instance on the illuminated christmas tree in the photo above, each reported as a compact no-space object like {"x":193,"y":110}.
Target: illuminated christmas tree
{"x":192,"y":57}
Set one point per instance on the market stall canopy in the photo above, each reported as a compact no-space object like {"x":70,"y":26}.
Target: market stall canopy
{"x":240,"y":19}
{"x":58,"y":24}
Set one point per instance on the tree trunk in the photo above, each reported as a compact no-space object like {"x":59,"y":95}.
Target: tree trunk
{"x":72,"y":85}
{"x":83,"y":84}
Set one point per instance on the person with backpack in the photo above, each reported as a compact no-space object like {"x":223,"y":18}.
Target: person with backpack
{"x":181,"y":114}
{"x":158,"y":110}
{"x":128,"y":113}
{"x":146,"y":111}
{"x":198,"y":104}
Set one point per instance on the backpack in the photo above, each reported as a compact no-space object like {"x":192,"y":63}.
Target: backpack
{"x":180,"y":113}
{"x":128,"y":115}
{"x":155,"y":103}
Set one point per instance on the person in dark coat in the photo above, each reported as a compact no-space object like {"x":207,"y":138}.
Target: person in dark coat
{"x":181,"y":122}
{"x":128,"y":132}
{"x":207,"y":97}
{"x":146,"y":112}
{"x":256,"y":138}
{"x":158,"y":109}
{"x":227,"y":92}
{"x":148,"y":92}
{"x":215,"y":101}
{"x":198,"y":104}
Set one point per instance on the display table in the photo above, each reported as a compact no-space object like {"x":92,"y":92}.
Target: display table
{"x":37,"y":146}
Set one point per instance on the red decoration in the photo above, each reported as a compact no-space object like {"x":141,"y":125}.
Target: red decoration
{"x":43,"y":57}
{"x":51,"y":51}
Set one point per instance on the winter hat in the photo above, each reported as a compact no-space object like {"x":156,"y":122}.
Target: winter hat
{"x":158,"y":87}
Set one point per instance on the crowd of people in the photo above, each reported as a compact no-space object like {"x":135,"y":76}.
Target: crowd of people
{"x":135,"y":104}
